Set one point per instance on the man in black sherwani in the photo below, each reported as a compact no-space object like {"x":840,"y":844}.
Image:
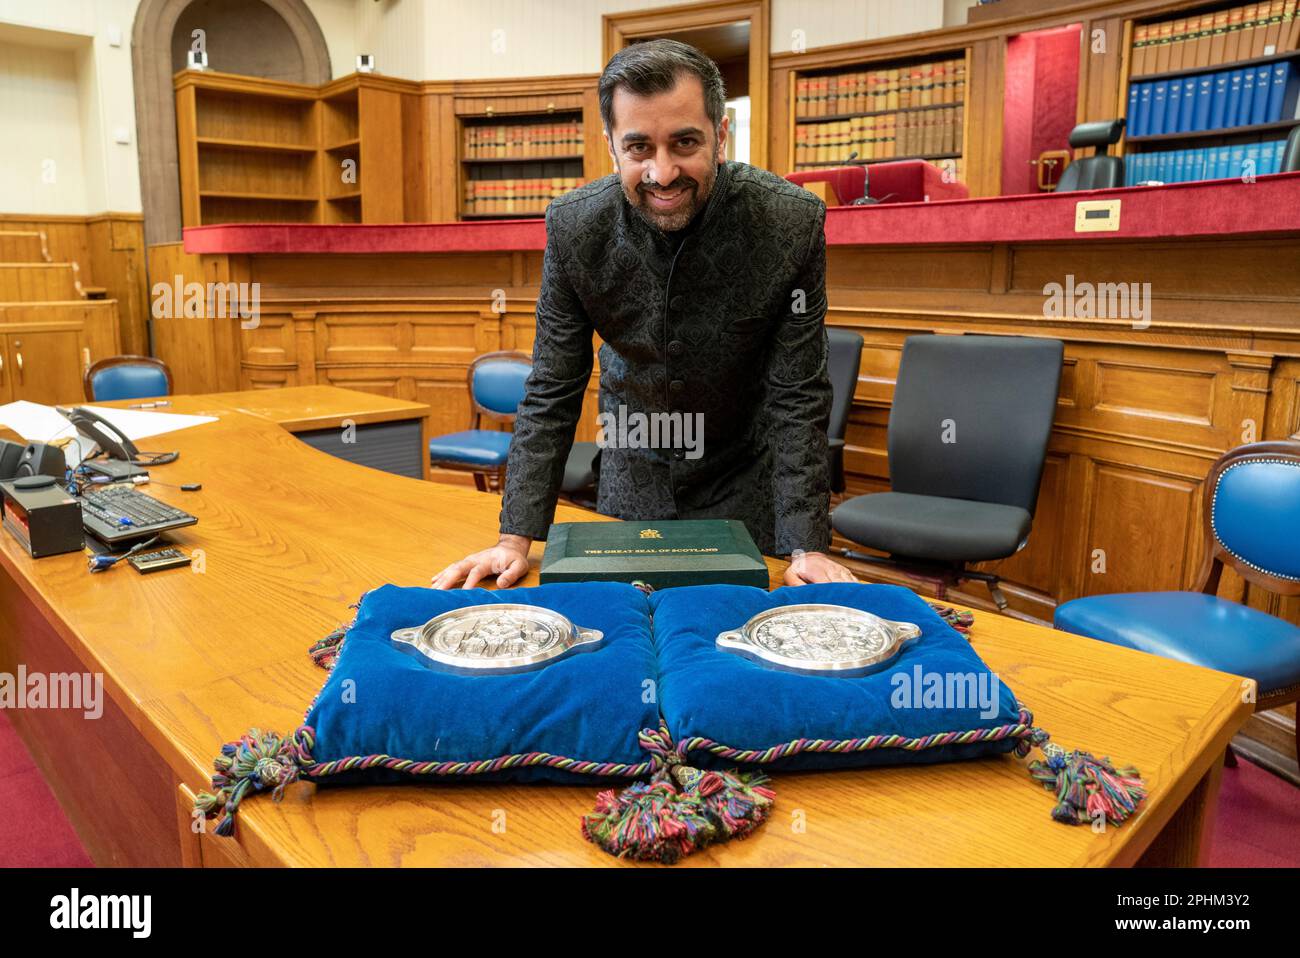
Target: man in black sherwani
{"x":706,"y":282}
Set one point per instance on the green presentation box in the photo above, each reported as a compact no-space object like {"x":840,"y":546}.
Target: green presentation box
{"x":662,"y":553}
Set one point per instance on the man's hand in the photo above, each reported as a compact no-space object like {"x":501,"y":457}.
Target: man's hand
{"x":507,"y":560}
{"x":809,"y":567}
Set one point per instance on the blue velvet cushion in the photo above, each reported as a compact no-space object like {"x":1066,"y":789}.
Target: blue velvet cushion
{"x":474,"y":447}
{"x":1192,"y":627}
{"x":588,"y":707}
{"x":720,"y":696}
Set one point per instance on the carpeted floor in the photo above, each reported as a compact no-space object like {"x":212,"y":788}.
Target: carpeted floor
{"x":1258,"y":824}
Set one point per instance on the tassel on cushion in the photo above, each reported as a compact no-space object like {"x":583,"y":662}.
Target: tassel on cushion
{"x":681,"y":810}
{"x":1086,"y":787}
{"x":256,"y":762}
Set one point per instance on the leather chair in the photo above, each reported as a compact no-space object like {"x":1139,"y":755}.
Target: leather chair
{"x":1291,"y":152}
{"x":1099,"y":171}
{"x":968,"y":434}
{"x":496,"y":387}
{"x":127,"y":377}
{"x":1252,"y":525}
{"x":842,"y":363}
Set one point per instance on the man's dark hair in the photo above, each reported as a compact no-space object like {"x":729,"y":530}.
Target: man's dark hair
{"x":653,"y":66}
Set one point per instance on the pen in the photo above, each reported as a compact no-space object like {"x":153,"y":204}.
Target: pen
{"x":149,"y":405}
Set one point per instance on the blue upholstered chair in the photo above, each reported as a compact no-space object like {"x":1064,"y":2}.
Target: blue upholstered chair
{"x":127,"y":377}
{"x":1252,"y":524}
{"x":496,"y":387}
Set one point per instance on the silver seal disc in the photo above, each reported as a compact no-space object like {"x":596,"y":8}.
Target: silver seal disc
{"x":497,"y":639}
{"x":829,"y":640}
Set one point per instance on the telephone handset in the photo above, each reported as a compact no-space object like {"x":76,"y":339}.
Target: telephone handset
{"x":111,"y":441}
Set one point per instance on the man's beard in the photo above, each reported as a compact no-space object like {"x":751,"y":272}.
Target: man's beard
{"x":697,"y":194}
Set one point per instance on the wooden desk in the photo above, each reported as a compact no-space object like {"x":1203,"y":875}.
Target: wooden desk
{"x":311,"y":412}
{"x":192,"y":660}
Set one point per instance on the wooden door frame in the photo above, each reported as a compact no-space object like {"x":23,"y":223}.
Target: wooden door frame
{"x":618,"y":29}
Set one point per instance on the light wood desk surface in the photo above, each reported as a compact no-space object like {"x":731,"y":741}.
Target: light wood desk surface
{"x":291,"y":536}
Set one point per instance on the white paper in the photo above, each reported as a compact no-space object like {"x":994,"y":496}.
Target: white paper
{"x":37,"y":423}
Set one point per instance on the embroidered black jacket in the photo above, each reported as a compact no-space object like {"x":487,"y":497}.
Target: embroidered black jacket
{"x":729,"y":324}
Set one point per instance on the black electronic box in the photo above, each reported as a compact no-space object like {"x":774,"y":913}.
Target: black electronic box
{"x":40,"y":514}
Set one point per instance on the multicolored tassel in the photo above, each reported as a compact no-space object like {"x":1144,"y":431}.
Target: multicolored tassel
{"x":256,"y":762}
{"x":326,"y":652}
{"x":1087,"y":787}
{"x":960,"y":621}
{"x":681,"y":810}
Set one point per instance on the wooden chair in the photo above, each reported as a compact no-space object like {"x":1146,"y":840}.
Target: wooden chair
{"x":496,"y":387}
{"x":1252,"y":526}
{"x":127,"y":377}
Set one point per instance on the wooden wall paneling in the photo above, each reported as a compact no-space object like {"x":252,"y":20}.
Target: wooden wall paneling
{"x":117,"y":263}
{"x":982,"y":149}
{"x":446,"y":174}
{"x":382,"y":173}
{"x":200,"y":351}
{"x":417,"y":158}
{"x":188,"y":155}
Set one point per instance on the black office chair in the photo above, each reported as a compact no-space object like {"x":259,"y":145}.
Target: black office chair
{"x":968,"y":435}
{"x":843,"y":361}
{"x":1291,"y":152}
{"x":1100,"y":171}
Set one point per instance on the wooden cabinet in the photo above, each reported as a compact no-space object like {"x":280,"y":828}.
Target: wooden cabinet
{"x":45,"y":348}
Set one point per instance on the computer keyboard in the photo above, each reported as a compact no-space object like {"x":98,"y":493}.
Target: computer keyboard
{"x":118,"y":514}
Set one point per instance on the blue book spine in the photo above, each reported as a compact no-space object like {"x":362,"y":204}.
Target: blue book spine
{"x":1173,"y":106}
{"x":1180,"y":166}
{"x":1276,"y":91}
{"x":1187,"y":109}
{"x":1201,"y":112}
{"x":1196,"y":165}
{"x":1143,"y":124}
{"x":1266,"y":155}
{"x":1235,"y":80}
{"x":1263,"y":92}
{"x":1224,"y":168}
{"x":1237,"y":163}
{"x":1252,"y":159}
{"x":1134,"y":92}
{"x":1278,"y":149}
{"x":1218,"y":101}
{"x":1247,"y":102}
{"x":1159,"y":108}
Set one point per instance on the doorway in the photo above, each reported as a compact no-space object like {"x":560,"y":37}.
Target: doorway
{"x":736,"y":36}
{"x":1040,"y":105}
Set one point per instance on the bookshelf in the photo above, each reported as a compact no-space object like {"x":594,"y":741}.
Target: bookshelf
{"x":514,"y":164}
{"x":1211,"y":92}
{"x":265,"y":151}
{"x":247,"y":155}
{"x":882,"y":110}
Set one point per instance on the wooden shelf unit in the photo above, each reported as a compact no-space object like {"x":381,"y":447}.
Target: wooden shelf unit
{"x":897,"y":110}
{"x":1218,"y":32}
{"x":536,"y":139}
{"x":366,"y":148}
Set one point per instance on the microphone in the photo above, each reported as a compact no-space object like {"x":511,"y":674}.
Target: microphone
{"x":852,"y":156}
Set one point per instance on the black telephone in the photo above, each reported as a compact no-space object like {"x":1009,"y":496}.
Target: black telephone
{"x":101,"y":432}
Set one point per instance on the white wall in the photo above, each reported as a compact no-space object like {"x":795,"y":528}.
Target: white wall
{"x":66,"y":91}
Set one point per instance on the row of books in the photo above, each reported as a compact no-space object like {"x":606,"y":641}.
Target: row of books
{"x":1225,"y":36}
{"x":924,"y":133}
{"x":516,"y":196}
{"x":538,"y":140}
{"x":873,"y":91}
{"x":1214,"y":101}
{"x":1206,"y":163}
